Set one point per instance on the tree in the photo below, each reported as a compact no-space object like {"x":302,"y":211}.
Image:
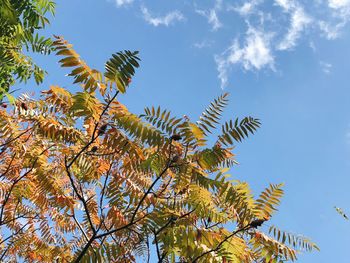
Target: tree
{"x":85,"y":180}
{"x":20,"y":20}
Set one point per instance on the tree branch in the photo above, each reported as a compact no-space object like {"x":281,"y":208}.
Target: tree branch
{"x":222,"y":242}
{"x":80,"y":197}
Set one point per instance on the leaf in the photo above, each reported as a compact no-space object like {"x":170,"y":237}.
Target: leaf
{"x":238,"y":130}
{"x":211,"y":116}
{"x":121,"y":68}
{"x":341,"y":212}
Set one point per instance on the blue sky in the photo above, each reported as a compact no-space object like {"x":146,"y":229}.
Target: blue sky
{"x":285,"y":62}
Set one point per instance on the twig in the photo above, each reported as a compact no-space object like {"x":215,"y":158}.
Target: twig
{"x":157,"y":245}
{"x":8,"y":167}
{"x":15,"y":138}
{"x":222,"y":242}
{"x":94,"y":136}
{"x":80,"y":227}
{"x":80,"y":197}
{"x":96,"y":236}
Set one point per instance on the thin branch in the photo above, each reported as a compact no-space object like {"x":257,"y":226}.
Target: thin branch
{"x":132,"y":220}
{"x":9,"y":246}
{"x":156,"y":233}
{"x":222,"y":242}
{"x":86,"y":247}
{"x":19,"y":217}
{"x":8,"y":167}
{"x":14,"y":234}
{"x":68,"y":165}
{"x":105,"y":237}
{"x":214,"y":225}
{"x":80,"y":197}
{"x":94,"y":136}
{"x":149,"y":190}
{"x":79,"y":226}
{"x":148,"y":249}
{"x":157,"y":245}
{"x":105,"y":154}
{"x":172,"y":220}
{"x":96,"y":236}
{"x":103,"y":193}
{"x":7,"y":197}
{"x":121,"y":228}
{"x":15,"y":138}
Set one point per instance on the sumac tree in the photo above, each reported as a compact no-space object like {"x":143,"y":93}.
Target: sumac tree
{"x":83,"y":179}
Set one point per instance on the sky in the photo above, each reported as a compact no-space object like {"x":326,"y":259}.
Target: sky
{"x":285,"y":62}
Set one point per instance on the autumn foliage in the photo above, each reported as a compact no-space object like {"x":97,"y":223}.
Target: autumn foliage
{"x":85,"y":180}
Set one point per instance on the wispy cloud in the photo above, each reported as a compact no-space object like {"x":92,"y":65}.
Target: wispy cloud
{"x":326,"y":67}
{"x":340,"y":10}
{"x":298,"y":22}
{"x":121,"y":3}
{"x":331,"y":31}
{"x":212,"y":15}
{"x":258,"y":51}
{"x":222,"y":66}
{"x":246,"y":8}
{"x":255,"y":54}
{"x":273,"y":27}
{"x":166,"y":20}
{"x":285,"y":4}
{"x":212,"y":18}
{"x":203,"y":44}
{"x":312,"y":46}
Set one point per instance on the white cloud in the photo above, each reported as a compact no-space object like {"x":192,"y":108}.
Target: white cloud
{"x":168,"y":19}
{"x":330,"y":31}
{"x":203,"y":44}
{"x":121,"y":3}
{"x":312,"y":46}
{"x":326,"y":67}
{"x":285,"y":4}
{"x":338,"y":4}
{"x":212,"y":18}
{"x":255,"y":54}
{"x":286,"y":20}
{"x":341,"y":10}
{"x":212,"y":15}
{"x":222,"y":66}
{"x":247,"y":8}
{"x":299,"y":21}
{"x":340,"y":16}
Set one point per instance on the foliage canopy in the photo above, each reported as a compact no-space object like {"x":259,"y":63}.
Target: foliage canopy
{"x":83,"y":179}
{"x":20,"y":21}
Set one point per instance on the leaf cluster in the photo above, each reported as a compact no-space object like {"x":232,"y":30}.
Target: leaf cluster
{"x":20,"y":22}
{"x":83,"y":179}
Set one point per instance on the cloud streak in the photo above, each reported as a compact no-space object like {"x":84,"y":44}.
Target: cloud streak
{"x":246,"y":8}
{"x":166,"y":20}
{"x":212,"y":15}
{"x":212,"y":18}
{"x":203,"y":44}
{"x":298,"y":23}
